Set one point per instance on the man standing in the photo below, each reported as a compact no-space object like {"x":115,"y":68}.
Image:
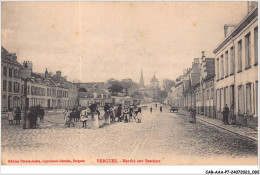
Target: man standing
{"x":119,"y":113}
{"x":232,"y":115}
{"x":225,"y":114}
{"x":161,"y":108}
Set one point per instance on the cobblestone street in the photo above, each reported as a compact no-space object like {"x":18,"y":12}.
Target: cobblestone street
{"x":167,"y":137}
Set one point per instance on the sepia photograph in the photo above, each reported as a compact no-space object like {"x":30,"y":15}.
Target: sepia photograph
{"x":129,"y":83}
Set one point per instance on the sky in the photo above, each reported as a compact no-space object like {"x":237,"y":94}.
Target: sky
{"x":95,"y":41}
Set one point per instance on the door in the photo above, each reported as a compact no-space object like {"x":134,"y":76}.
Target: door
{"x":49,"y":103}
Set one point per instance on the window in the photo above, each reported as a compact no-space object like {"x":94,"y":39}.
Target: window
{"x":5,"y":71}
{"x":4,"y":101}
{"x":256,"y":44}
{"x":217,"y":99}
{"x":247,"y":51}
{"x":253,"y":96}
{"x":10,"y":86}
{"x":222,"y":66}
{"x":240,"y":100}
{"x":218,"y":69}
{"x":221,"y":99}
{"x":37,"y":91}
{"x":207,"y":94}
{"x":256,"y":96}
{"x":226,"y":63}
{"x":226,"y":97}
{"x":248,"y":98}
{"x":239,"y":54}
{"x":4,"y":85}
{"x":232,"y":60}
{"x":212,"y":93}
{"x":16,"y":87}
{"x":232,"y":95}
{"x":15,"y":73}
{"x":22,"y":89}
{"x":28,"y":90}
{"x":10,"y":72}
{"x":32,"y":90}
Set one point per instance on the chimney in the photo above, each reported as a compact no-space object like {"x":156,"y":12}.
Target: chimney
{"x":203,"y":53}
{"x":251,"y":5}
{"x":30,"y":65}
{"x":225,"y":30}
{"x":196,"y":61}
{"x":46,"y":73}
{"x":58,"y":73}
{"x":228,"y":28}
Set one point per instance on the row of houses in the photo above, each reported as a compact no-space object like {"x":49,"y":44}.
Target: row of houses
{"x":231,"y":77}
{"x":21,"y":86}
{"x":47,"y":90}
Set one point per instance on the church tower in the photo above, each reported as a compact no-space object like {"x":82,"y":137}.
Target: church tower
{"x":154,"y":83}
{"x":141,"y":79}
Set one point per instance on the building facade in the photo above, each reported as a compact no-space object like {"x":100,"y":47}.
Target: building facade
{"x":94,"y":96}
{"x":11,"y":82}
{"x":47,"y":90}
{"x":207,"y":87}
{"x":237,"y":71}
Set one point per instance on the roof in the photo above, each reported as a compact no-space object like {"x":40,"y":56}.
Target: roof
{"x":39,"y":80}
{"x":194,"y":79}
{"x":9,"y":57}
{"x":186,"y":85}
{"x":90,"y":84}
{"x":89,"y":94}
{"x":210,"y":68}
{"x":245,"y":21}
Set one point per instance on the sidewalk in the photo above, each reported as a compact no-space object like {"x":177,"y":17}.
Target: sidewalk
{"x":239,"y":130}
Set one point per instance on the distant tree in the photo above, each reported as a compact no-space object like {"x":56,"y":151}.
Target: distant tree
{"x":162,"y":95}
{"x":82,"y":89}
{"x":110,"y":82}
{"x":115,"y":87}
{"x":168,"y":84}
{"x":146,"y":94}
{"x":127,"y":84}
{"x":137,"y":95}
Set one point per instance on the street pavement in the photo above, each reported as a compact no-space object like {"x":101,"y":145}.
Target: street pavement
{"x":162,"y":138}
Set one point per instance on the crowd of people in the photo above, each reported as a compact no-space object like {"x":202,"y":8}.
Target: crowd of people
{"x":14,"y":115}
{"x":112,"y":113}
{"x":34,"y":115}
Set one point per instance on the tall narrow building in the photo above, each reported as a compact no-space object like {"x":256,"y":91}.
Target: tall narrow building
{"x":141,"y":79}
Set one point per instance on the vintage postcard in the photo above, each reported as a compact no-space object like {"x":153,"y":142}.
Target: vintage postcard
{"x":129,"y":83}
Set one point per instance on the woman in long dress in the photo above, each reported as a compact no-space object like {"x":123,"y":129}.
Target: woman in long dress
{"x":68,"y":118}
{"x":139,"y":115}
{"x":10,"y":115}
{"x":119,"y":113}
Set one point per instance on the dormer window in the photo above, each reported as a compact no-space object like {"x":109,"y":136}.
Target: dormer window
{"x":95,"y":95}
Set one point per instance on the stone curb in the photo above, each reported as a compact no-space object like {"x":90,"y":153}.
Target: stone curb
{"x":240,"y":134}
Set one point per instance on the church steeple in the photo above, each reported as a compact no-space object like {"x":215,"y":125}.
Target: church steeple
{"x":141,"y":79}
